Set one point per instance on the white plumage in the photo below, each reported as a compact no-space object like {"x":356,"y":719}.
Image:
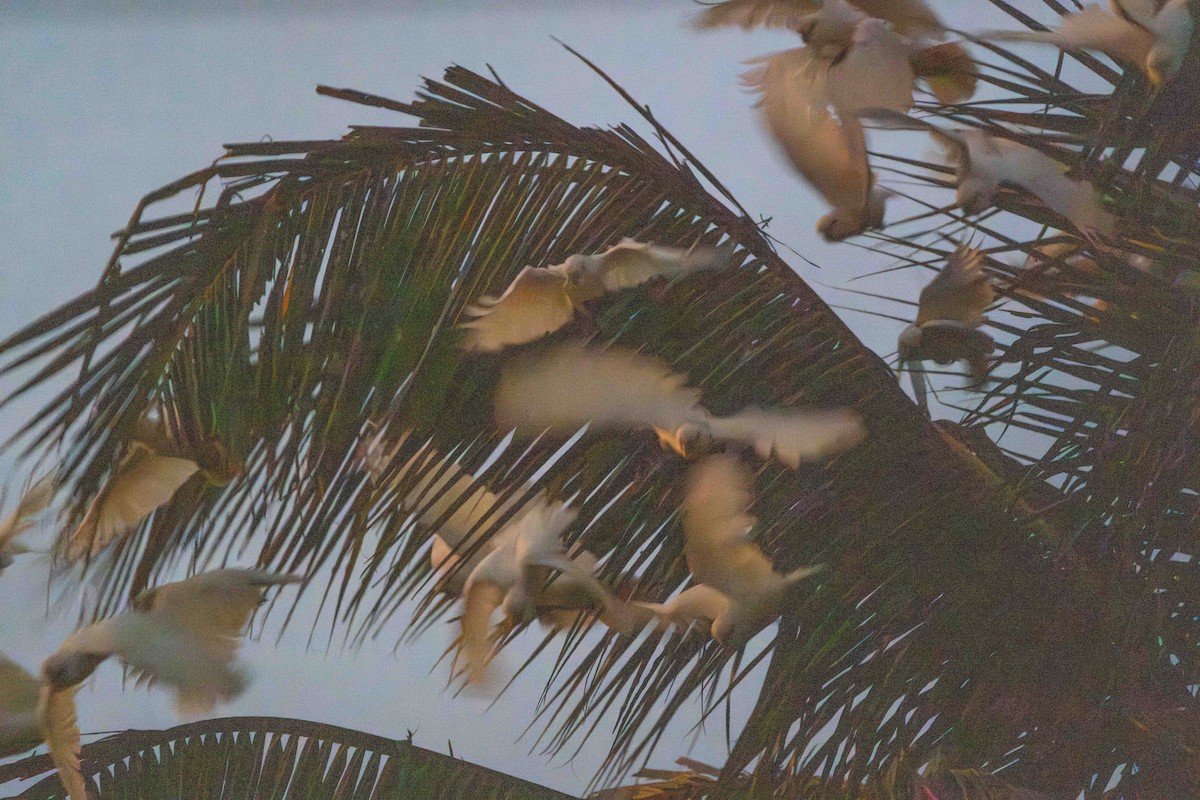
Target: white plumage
{"x":719,"y":555}
{"x":1137,"y":32}
{"x":907,"y":16}
{"x":540,"y":301}
{"x":571,"y":386}
{"x":181,"y":634}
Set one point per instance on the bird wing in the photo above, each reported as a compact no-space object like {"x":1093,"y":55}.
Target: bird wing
{"x":1076,"y":199}
{"x":34,"y":501}
{"x":793,"y":97}
{"x":534,"y":304}
{"x":908,"y":16}
{"x":874,"y":72}
{"x":571,"y":386}
{"x":792,"y":436}
{"x":56,"y":717}
{"x":482,"y":598}
{"x":213,"y":607}
{"x":1091,"y":28}
{"x":699,"y":603}
{"x":960,"y":292}
{"x":632,"y":263}
{"x":1173,"y":26}
{"x":957,"y":149}
{"x":445,"y":485}
{"x":747,"y":14}
{"x":715,"y":523}
{"x":143,"y":481}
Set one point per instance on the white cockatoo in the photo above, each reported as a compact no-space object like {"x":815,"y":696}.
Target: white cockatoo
{"x":949,"y":314}
{"x":154,"y":465}
{"x":540,"y":301}
{"x":908,"y":17}
{"x":716,"y":522}
{"x":33,"y":502}
{"x":1151,"y":35}
{"x":984,"y":163}
{"x":514,"y":572}
{"x":183,"y":634}
{"x":19,"y":729}
{"x":571,"y":386}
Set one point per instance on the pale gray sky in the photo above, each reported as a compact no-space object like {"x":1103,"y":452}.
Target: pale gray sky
{"x":100,"y":102}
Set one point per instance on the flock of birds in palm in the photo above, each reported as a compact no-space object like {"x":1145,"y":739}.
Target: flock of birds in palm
{"x":861,"y":61}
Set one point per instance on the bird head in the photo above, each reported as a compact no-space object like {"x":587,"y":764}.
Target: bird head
{"x":687,"y":440}
{"x":64,"y":670}
{"x":909,"y":343}
{"x":1162,"y":65}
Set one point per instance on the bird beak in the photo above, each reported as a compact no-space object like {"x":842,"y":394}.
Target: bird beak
{"x":669,"y":440}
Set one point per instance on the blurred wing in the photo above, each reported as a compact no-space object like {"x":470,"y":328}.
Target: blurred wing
{"x":633,"y":263}
{"x":444,"y":486}
{"x":143,"y":482}
{"x":35,"y":500}
{"x":747,"y":14}
{"x":792,"y":85}
{"x":1075,"y":199}
{"x":158,"y":651}
{"x":56,"y":717}
{"x":907,"y":16}
{"x":536,"y":303}
{"x":1090,"y":28}
{"x":715,"y":523}
{"x":961,"y":292}
{"x":481,"y":600}
{"x":875,"y":72}
{"x":213,"y":607}
{"x":699,"y":603}
{"x":1173,"y":26}
{"x":792,"y":436}
{"x":571,"y":386}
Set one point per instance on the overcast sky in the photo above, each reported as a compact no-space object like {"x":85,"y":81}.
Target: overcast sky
{"x":103,"y":102}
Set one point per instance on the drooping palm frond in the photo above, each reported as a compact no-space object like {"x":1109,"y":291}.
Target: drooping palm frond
{"x":238,"y":758}
{"x":318,"y":292}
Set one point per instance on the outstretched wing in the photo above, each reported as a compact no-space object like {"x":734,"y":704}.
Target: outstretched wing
{"x":874,"y":72}
{"x":56,"y":717}
{"x":960,"y":292}
{"x":1074,"y":198}
{"x":1091,"y":28}
{"x":536,"y":303}
{"x":571,"y":386}
{"x":34,"y":501}
{"x":144,"y":481}
{"x":715,"y":523}
{"x":793,"y":101}
{"x":632,"y":263}
{"x":747,"y":14}
{"x":792,"y":436}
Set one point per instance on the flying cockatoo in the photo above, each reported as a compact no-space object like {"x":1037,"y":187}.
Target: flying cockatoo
{"x":1149,"y":34}
{"x":949,"y":314}
{"x":540,"y":301}
{"x":19,"y":729}
{"x":715,"y":524}
{"x":184,"y":635}
{"x":908,"y":17}
{"x":571,"y":386}
{"x":152,"y":468}
{"x":35,"y":500}
{"x":984,"y":163}
{"x":513,"y":574}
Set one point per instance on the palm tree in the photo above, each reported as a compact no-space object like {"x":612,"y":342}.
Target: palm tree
{"x":1027,"y":612}
{"x":237,"y":758}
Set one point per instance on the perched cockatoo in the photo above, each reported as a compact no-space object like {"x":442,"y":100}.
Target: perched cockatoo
{"x":153,"y":467}
{"x":948,"y":318}
{"x":571,"y":386}
{"x":513,"y":574}
{"x":19,"y":729}
{"x":983,"y":163}
{"x":715,"y":524}
{"x":184,"y":635}
{"x":908,"y":17}
{"x":1149,"y":34}
{"x":540,"y":301}
{"x":700,"y":604}
{"x":36,"y":499}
